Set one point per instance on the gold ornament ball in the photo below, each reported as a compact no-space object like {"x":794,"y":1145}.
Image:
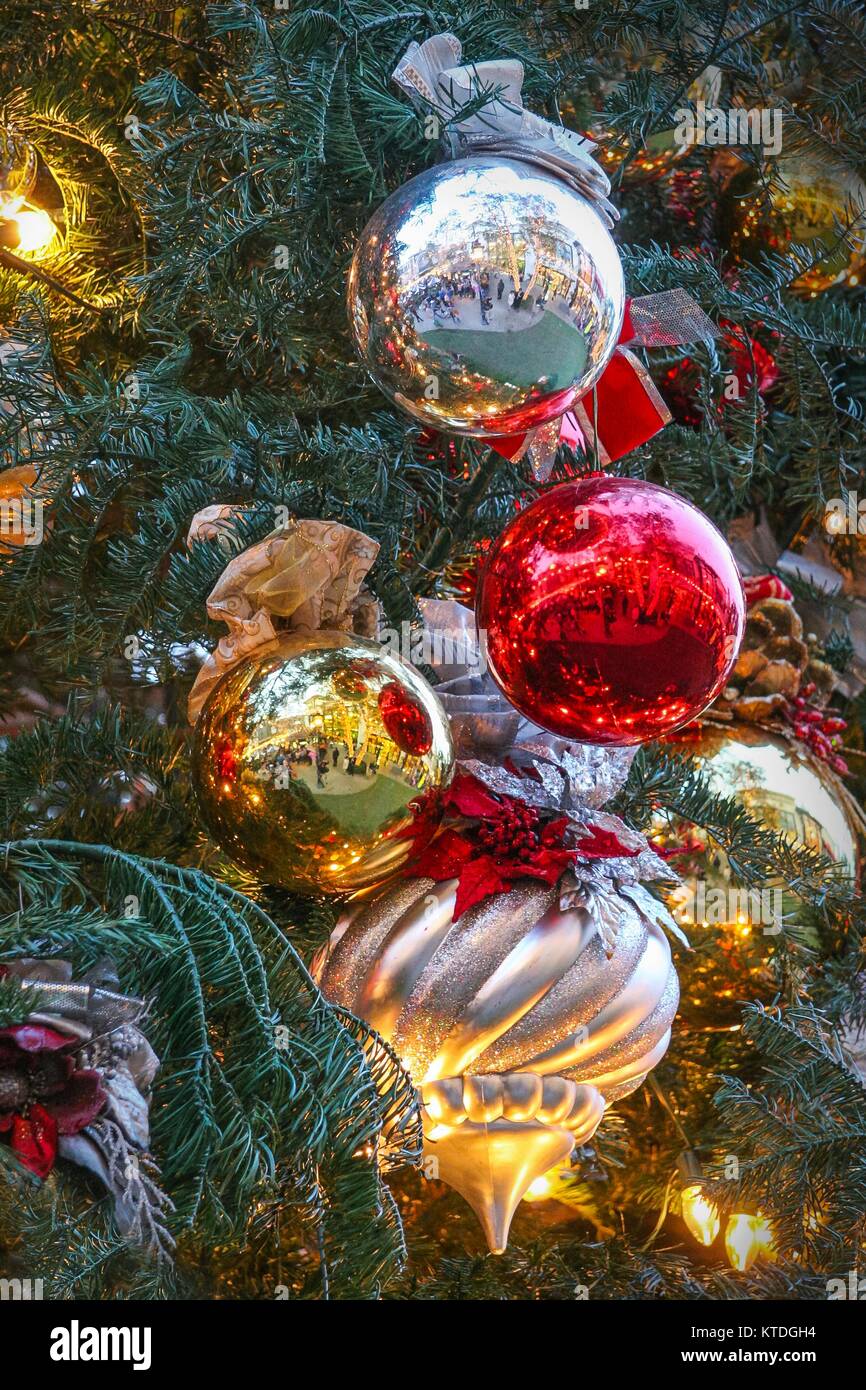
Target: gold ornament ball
{"x":781,"y":785}
{"x":20,"y":505}
{"x":319,"y":765}
{"x":18,"y":161}
{"x":808,"y":200}
{"x":788,"y":791}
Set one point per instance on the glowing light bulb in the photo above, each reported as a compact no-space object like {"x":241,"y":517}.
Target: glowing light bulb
{"x":699,"y":1214}
{"x":764,"y":1238}
{"x":36,"y":231}
{"x":747,"y":1237}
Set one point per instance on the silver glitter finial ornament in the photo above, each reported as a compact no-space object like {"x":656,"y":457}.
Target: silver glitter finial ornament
{"x":515,"y":1024}
{"x":521,"y":1020}
{"x":486,"y":295}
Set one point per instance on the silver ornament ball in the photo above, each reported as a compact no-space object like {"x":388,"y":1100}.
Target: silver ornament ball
{"x":486,"y":296}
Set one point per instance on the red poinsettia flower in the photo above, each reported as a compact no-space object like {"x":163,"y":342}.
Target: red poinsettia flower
{"x":499,"y":839}
{"x":42,"y":1095}
{"x":603,"y":844}
{"x":469,"y":797}
{"x":752,"y":361}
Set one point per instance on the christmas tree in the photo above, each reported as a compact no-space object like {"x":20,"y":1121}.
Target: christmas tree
{"x":199,"y":1097}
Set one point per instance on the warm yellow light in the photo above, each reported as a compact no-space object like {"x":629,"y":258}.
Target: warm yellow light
{"x":740,"y":1245}
{"x":10,"y":207}
{"x":36,"y":231}
{"x":699,"y":1214}
{"x":538,"y":1189}
{"x":764,"y":1238}
{"x":746,"y":1238}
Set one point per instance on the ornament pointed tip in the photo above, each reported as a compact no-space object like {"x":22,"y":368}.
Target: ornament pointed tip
{"x":493,"y":1166}
{"x":495,"y":1220}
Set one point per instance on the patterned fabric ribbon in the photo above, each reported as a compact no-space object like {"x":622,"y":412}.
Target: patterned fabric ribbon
{"x":624,"y":409}
{"x":760,"y":586}
{"x":306,"y":577}
{"x":82,"y":1008}
{"x":432,"y":76}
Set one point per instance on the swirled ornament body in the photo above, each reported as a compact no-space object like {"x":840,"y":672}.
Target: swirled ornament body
{"x":515,"y":1022}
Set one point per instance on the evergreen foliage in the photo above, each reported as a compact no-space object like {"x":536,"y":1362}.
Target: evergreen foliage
{"x":186,"y":344}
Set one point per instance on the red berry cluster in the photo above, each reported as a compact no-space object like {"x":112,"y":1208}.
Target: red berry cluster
{"x":822,"y":733}
{"x":515,"y":832}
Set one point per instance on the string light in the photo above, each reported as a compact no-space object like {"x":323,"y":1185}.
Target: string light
{"x":36,"y":231}
{"x":700,"y":1214}
{"x":27,"y":228}
{"x":746,"y":1238}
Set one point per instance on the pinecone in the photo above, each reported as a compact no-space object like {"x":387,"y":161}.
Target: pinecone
{"x":775,"y":662}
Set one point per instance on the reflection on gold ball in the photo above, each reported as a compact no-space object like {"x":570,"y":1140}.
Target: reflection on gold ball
{"x":18,"y":506}
{"x":319,"y":765}
{"x":787,"y":790}
{"x":807,"y":204}
{"x":735,"y":926}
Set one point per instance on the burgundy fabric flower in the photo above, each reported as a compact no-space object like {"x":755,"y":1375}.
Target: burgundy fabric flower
{"x":41,"y":1094}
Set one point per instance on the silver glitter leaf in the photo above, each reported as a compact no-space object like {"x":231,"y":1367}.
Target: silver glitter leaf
{"x":655,"y":911}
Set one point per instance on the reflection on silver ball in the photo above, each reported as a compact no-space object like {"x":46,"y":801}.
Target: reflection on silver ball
{"x":486,"y":296}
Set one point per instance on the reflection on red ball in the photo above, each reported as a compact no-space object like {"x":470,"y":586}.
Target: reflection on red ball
{"x":405,"y":719}
{"x":613,"y":611}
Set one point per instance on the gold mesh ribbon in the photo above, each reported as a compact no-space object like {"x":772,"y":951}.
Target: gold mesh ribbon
{"x":306,"y":577}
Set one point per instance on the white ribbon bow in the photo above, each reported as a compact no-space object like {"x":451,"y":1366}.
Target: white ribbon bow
{"x":431,"y":74}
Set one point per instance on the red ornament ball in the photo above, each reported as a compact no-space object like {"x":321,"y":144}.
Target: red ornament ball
{"x":613,"y":611}
{"x":405,"y":719}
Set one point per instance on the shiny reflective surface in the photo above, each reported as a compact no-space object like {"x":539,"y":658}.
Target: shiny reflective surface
{"x":485,"y":296}
{"x":786,"y":790}
{"x":514,"y":1022}
{"x":514,"y":985}
{"x":17,"y":493}
{"x":808,"y":200}
{"x":320,"y":766}
{"x":613,"y":611}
